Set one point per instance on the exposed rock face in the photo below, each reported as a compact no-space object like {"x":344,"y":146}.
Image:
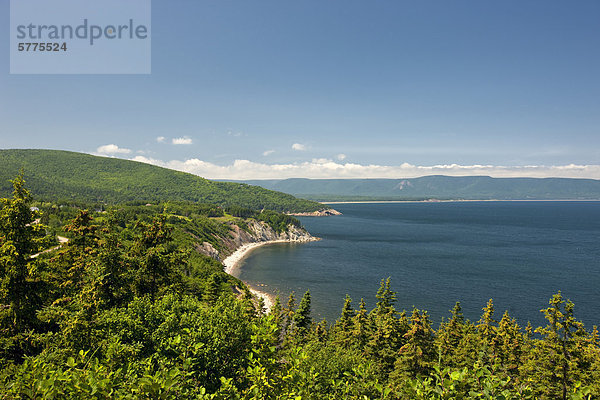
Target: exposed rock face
{"x":259,"y":232}
{"x":209,"y":250}
{"x":403,"y":184}
{"x":320,"y":213}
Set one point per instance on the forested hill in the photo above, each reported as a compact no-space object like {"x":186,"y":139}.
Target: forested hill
{"x":438,"y":187}
{"x":63,"y":175}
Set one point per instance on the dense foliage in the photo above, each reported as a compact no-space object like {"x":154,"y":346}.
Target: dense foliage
{"x":61,"y":175}
{"x":126,"y":310}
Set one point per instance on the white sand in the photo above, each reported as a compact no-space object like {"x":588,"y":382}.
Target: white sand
{"x":267,"y":298}
{"x":233,"y":262}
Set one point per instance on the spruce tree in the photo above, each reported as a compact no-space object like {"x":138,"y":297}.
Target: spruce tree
{"x":360,"y":326}
{"x":213,"y":289}
{"x":20,"y":238}
{"x":156,"y":258}
{"x":487,"y":331}
{"x":386,"y":336}
{"x":343,"y":326}
{"x":449,"y":335}
{"x":385,"y":298}
{"x":507,"y":345}
{"x":557,"y":356}
{"x":418,"y":355}
{"x":288,"y":314}
{"x":301,"y":317}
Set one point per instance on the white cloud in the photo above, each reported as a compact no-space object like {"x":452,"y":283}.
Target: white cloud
{"x":161,"y":139}
{"x":268,"y":152}
{"x":341,"y":157}
{"x":298,"y":147}
{"x":182,"y":140}
{"x":112,"y":149}
{"x":324,"y":168}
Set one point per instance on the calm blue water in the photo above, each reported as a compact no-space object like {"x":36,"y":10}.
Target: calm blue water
{"x":518,"y":253}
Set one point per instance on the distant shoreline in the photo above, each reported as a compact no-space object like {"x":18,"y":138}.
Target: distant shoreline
{"x":450,"y":201}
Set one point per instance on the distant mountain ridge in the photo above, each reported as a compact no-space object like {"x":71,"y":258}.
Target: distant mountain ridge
{"x":65,"y":175}
{"x":437,"y":187}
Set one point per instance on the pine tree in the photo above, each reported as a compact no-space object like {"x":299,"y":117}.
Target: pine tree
{"x":385,"y":299}
{"x":288,"y":314}
{"x":343,"y":326}
{"x":156,"y":257}
{"x":20,"y":237}
{"x":111,"y":270}
{"x":449,"y":336}
{"x":385,"y":337}
{"x":486,"y":323}
{"x":79,"y":253}
{"x":213,"y":289}
{"x":360,"y":326}
{"x":487,"y":331}
{"x":557,"y":356}
{"x":277,"y":316}
{"x":301,"y":318}
{"x":321,"y":331}
{"x":347,"y":314}
{"x":418,"y":355}
{"x":507,"y":345}
{"x":84,"y":233}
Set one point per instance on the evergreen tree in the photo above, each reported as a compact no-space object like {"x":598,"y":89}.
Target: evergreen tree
{"x":321,"y":331}
{"x":386,"y":335}
{"x":418,"y":355}
{"x":110,"y":271}
{"x":486,"y":323}
{"x":156,"y":257}
{"x":301,"y":318}
{"x":507,"y":345}
{"x":385,"y":299}
{"x":450,"y":334}
{"x":361,"y":326}
{"x":20,"y":238}
{"x":343,"y":327}
{"x":288,"y":313}
{"x":277,"y":313}
{"x":556,"y":358}
{"x":81,"y":250}
{"x":83,"y":231}
{"x":487,"y":331}
{"x":213,"y":289}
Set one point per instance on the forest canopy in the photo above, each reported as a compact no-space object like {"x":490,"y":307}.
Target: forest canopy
{"x":66,"y":176}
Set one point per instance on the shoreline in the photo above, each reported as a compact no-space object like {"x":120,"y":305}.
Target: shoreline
{"x":448,"y":201}
{"x":233,"y":261}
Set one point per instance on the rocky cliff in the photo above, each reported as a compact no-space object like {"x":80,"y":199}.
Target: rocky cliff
{"x":321,"y":213}
{"x":256,"y":232}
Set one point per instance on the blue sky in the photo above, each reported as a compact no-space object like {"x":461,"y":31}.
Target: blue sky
{"x":267,"y":89}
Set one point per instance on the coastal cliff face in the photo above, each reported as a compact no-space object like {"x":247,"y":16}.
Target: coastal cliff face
{"x":258,"y":231}
{"x":321,"y":213}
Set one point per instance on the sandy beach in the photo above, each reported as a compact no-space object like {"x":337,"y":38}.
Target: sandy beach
{"x":232,"y":263}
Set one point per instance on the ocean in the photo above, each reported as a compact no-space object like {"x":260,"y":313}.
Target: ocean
{"x":436,"y":253}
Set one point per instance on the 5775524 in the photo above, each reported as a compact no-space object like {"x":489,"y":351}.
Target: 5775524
{"x":49,"y":46}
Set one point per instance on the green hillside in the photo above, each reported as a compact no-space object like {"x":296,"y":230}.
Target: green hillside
{"x":437,"y":187}
{"x":63,"y":175}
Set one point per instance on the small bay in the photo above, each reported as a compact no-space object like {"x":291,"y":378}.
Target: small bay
{"x":437,"y":253}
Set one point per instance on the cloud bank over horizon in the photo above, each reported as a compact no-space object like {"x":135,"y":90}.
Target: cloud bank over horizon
{"x":329,"y":169}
